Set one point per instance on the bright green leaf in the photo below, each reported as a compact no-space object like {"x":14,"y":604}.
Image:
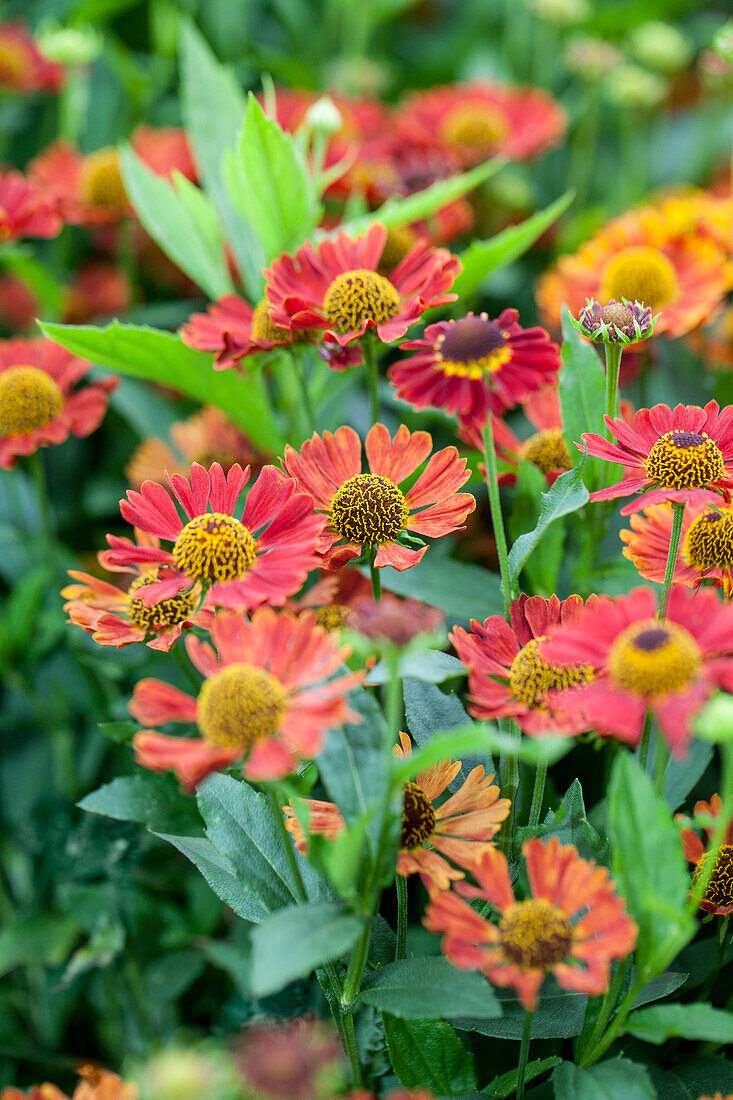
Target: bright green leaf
{"x":567,"y":495}
{"x":429,"y":988}
{"x":293,"y":942}
{"x":715,"y":722}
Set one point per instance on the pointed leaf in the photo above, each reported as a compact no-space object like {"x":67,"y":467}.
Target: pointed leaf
{"x":429,"y":1054}
{"x":567,"y":495}
{"x":293,"y":942}
{"x":429,"y":988}
{"x":688,"y":1021}
{"x":605,"y":1081}
{"x":220,"y":875}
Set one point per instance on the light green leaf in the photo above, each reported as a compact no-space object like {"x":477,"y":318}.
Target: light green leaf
{"x":163,"y":358}
{"x":688,"y":1021}
{"x":582,"y":393}
{"x":293,"y":942}
{"x":606,"y":1081}
{"x":429,"y":1054}
{"x":431,"y":665}
{"x":429,"y":988}
{"x":715,"y":722}
{"x":567,"y":495}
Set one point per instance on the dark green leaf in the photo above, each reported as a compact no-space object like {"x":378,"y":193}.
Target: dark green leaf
{"x":702,"y":1076}
{"x":353,"y":766}
{"x":429,"y":988}
{"x":681,"y":774}
{"x":219,"y":873}
{"x":559,"y":1015}
{"x":233,"y":961}
{"x":118,"y":731}
{"x":44,"y":939}
{"x":659,"y":987}
{"x":292,"y":943}
{"x":611,"y":1080}
{"x":689,"y":1021}
{"x":570,"y":825}
{"x":429,"y":1054}
{"x":480,"y":738}
{"x":155,"y":801}
{"x":428,"y":711}
{"x":506,"y":1085}
{"x":462,"y":590}
{"x":567,"y":495}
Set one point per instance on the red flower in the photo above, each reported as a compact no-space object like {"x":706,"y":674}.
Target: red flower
{"x":718,"y":896}
{"x":573,"y":925}
{"x":232,"y":329}
{"x":267,"y":698}
{"x":369,"y":510}
{"x":39,"y":406}
{"x":683,"y":455}
{"x":546,"y":449}
{"x":475,"y":365}
{"x":706,"y":545}
{"x":262,"y":558}
{"x":22,"y":67}
{"x":25,"y":210}
{"x":508,"y":677}
{"x":639,"y":663}
{"x":97,"y":289}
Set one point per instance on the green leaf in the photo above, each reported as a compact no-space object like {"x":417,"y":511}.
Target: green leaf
{"x":118,"y":731}
{"x":268,"y":183}
{"x":163,"y":358}
{"x":689,"y":1021}
{"x":429,"y":1054}
{"x":430,"y":665}
{"x":715,"y":722}
{"x":155,"y":801}
{"x":659,"y":987}
{"x":293,"y":942}
{"x":44,"y":939}
{"x":462,"y":590}
{"x":483,"y":258}
{"x":220,"y":875}
{"x":567,"y":495}
{"x":606,"y":1081}
{"x":681,"y":775}
{"x":476,"y":738}
{"x":541,"y":569}
{"x":648,"y":864}
{"x":182,"y":221}
{"x":429,"y":988}
{"x":428,"y":711}
{"x":352,"y":766}
{"x":570,"y":825}
{"x":233,"y":961}
{"x":701,"y":1076}
{"x":559,"y":1015}
{"x":582,"y":392}
{"x":506,"y":1085}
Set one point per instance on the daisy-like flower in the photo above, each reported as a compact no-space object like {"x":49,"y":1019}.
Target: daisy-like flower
{"x":476,"y":121}
{"x":26,"y":210}
{"x":640,"y":664}
{"x":718,"y":896}
{"x":22,"y":67}
{"x":573,"y":924}
{"x":40,"y":405}
{"x":475,"y":366}
{"x":623,"y":323}
{"x":682,"y":455}
{"x":337,"y":288}
{"x":297,"y":1059}
{"x":507,"y":675}
{"x":94,"y":1084}
{"x":437,"y":838}
{"x":264,"y":557}
{"x":644,"y":256}
{"x":369,"y":511}
{"x":232,"y":329}
{"x":269,"y":698}
{"x":706,"y":545}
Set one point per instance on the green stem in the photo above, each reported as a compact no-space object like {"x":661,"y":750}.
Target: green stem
{"x":524,"y":1054}
{"x":613,"y":367}
{"x":355,"y":970}
{"x":661,"y":756}
{"x":180,"y":656}
{"x":38,"y":473}
{"x":376,"y":580}
{"x":644,"y":743}
{"x":497,"y":519}
{"x":616,"y":1027}
{"x":607,"y":1006}
{"x":300,"y":371}
{"x":370,"y":358}
{"x":509,"y":769}
{"x":276,"y":805}
{"x":674,"y":546}
{"x":537,"y":794}
{"x":348,"y":1039}
{"x":401,"y":887}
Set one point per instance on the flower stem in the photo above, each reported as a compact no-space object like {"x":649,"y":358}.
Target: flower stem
{"x":355,"y":970}
{"x":370,"y":358}
{"x":537,"y":794}
{"x":613,"y":367}
{"x":350,"y":1045}
{"x":276,"y":804}
{"x":678,"y":517}
{"x":376,"y":580}
{"x":644,"y":743}
{"x":299,"y":364}
{"x":607,"y":1006}
{"x":401,"y":888}
{"x":524,"y":1054}
{"x":497,"y":519}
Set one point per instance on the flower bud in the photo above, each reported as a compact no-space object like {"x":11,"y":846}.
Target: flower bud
{"x":660,"y":47}
{"x":631,"y":86}
{"x":621,"y":323}
{"x":323,"y":116}
{"x":69,"y":45}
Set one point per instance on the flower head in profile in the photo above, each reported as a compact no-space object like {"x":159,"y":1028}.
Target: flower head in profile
{"x":718,"y":896}
{"x":232,"y":329}
{"x":507,"y":675}
{"x":94,"y":1083}
{"x":682,"y":455}
{"x":369,"y":512}
{"x":25,"y":209}
{"x":621,"y":323}
{"x":573,"y":925}
{"x":296,"y":1059}
{"x":640,"y":664}
{"x":706,"y":545}
{"x":475,"y":366}
{"x":23,"y":68}
{"x":41,"y":403}
{"x":268,"y":699}
{"x":262,"y":557}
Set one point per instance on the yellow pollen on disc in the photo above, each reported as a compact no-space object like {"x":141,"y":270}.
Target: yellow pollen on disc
{"x":547,"y":450}
{"x":685,"y":460}
{"x":29,"y":399}
{"x":719,"y":891}
{"x":13,"y":63}
{"x":709,"y":541}
{"x":215,"y":547}
{"x":335,"y":616}
{"x":369,"y":509}
{"x":654,"y":658}
{"x":239,"y":705}
{"x":418,"y":817}
{"x":475,"y":126}
{"x":640,"y":274}
{"x":358,"y":296}
{"x":535,"y":934}
{"x":263,"y":328}
{"x":530,"y":678}
{"x":101,"y":180}
{"x":166,"y":613}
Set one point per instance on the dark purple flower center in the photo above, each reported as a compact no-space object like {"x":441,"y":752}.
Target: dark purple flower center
{"x":471,"y":340}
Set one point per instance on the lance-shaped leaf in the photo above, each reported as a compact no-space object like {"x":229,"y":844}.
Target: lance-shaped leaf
{"x":293,"y":942}
{"x":567,"y":495}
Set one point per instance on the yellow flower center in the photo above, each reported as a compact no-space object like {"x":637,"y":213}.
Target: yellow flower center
{"x":418,"y":817}
{"x":358,"y":296}
{"x":239,"y":705}
{"x":335,"y":616}
{"x":640,"y":274}
{"x":101,"y":180}
{"x":13,"y":63}
{"x":709,"y":541}
{"x":535,"y":934}
{"x":400,"y":240}
{"x":214,"y":547}
{"x":263,"y":328}
{"x":530,"y":678}
{"x":369,"y":509}
{"x":159,"y":615}
{"x":719,"y":891}
{"x":548,"y":451}
{"x":29,"y":398}
{"x":654,"y":658}
{"x":475,"y":126}
{"x":473,"y":347}
{"x":685,"y":460}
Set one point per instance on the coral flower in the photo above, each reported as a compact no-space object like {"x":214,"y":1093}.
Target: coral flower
{"x":233,"y":329}
{"x":640,"y":664}
{"x":573,"y":925}
{"x":22,"y":67}
{"x":718,"y":896}
{"x":338,"y":288}
{"x":264,"y":557}
{"x":473,"y":122}
{"x":95,"y":1083}
{"x":25,"y":209}
{"x":39,"y":404}
{"x":456,"y":831}
{"x":268,"y":698}
{"x":644,"y":256}
{"x":714,"y":341}
{"x":97,"y":289}
{"x":706,"y":545}
{"x":473,"y":366}
{"x":296,"y":1059}
{"x":684,"y":455}
{"x":545,"y":448}
{"x":369,"y":511}
{"x":508,"y":677}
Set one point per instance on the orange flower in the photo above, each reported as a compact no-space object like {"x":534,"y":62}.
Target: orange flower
{"x":22,"y":67}
{"x":718,"y":896}
{"x":94,"y":1084}
{"x":573,"y":924}
{"x":706,"y":546}
{"x":713,"y":342}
